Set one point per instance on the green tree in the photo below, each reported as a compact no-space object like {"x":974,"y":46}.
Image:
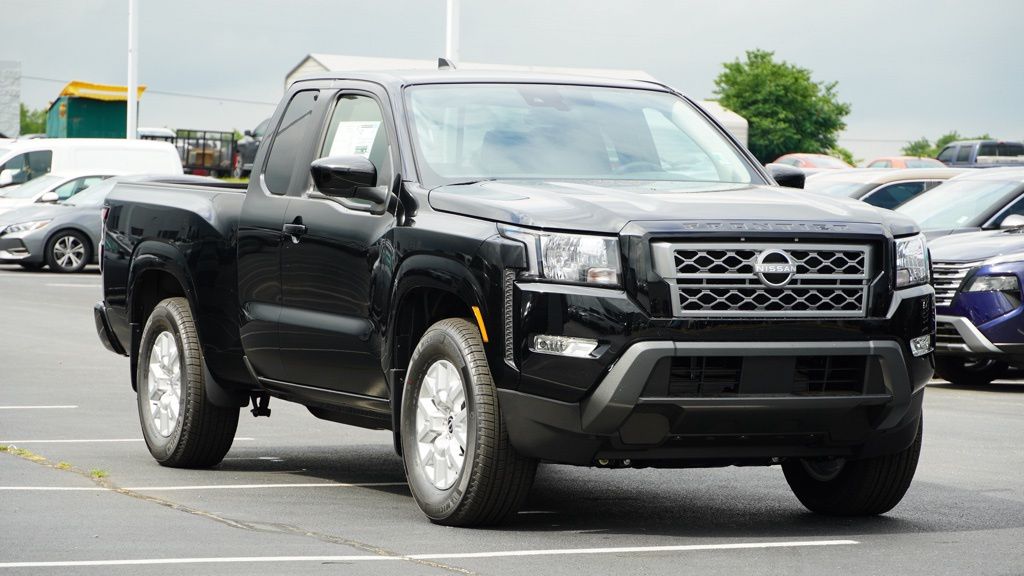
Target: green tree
{"x":32,"y":121}
{"x":787,"y":110}
{"x":920,"y":147}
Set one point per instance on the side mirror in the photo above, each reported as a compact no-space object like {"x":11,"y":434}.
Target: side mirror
{"x":352,"y":177}
{"x":248,"y":133}
{"x":6,"y":177}
{"x":1012,"y":221}
{"x":788,"y":176}
{"x":49,"y":197}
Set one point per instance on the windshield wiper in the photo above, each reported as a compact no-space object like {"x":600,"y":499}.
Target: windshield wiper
{"x":471,"y":182}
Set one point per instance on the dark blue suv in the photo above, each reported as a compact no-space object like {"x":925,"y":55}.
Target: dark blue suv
{"x":980,"y":322}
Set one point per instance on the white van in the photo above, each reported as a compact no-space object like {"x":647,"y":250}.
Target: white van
{"x":23,"y":160}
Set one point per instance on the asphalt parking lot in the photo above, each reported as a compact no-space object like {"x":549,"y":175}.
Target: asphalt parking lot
{"x":80,"y":494}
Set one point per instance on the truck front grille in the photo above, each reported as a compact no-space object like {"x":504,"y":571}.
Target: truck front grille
{"x":722,"y":280}
{"x":947,"y":278}
{"x":726,"y":376}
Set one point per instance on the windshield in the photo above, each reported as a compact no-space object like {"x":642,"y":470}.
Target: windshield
{"x":33,"y":187}
{"x":468,"y":132}
{"x":93,"y":195}
{"x":959,"y":203}
{"x":832,"y":188}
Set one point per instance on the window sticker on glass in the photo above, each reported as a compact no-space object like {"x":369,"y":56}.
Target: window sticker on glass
{"x":355,"y":138}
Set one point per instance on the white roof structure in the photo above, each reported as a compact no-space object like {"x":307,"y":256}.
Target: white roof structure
{"x":316,"y":63}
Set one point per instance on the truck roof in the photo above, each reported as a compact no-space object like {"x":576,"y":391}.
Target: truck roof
{"x":400,"y":78}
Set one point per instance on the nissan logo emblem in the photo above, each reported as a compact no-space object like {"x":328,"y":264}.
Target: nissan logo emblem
{"x":774,"y":268}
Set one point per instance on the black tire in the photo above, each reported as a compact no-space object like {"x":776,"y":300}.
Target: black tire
{"x":964,"y":371}
{"x":859,"y":487}
{"x":202,"y":433}
{"x":33,"y":266}
{"x":494,"y":479}
{"x":68,"y":251}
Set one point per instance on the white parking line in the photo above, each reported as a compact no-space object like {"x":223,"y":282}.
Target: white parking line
{"x":453,"y":556}
{"x":84,"y":441}
{"x":201,"y":487}
{"x":35,"y":407}
{"x":66,"y":285}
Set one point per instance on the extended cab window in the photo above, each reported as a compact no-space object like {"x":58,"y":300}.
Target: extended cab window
{"x":357,"y":129}
{"x":964,"y":154}
{"x":288,"y":140}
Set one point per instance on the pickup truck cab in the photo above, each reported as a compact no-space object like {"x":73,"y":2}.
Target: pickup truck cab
{"x":509,"y":268}
{"x":982,"y":153}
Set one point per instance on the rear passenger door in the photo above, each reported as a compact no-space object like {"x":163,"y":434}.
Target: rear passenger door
{"x":276,"y":176}
{"x":330,"y":336}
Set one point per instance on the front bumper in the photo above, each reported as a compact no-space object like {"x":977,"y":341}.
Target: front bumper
{"x":19,"y":248}
{"x":624,"y":420}
{"x":619,"y":404}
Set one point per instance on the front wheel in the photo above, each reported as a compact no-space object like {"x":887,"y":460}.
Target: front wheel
{"x":461,"y":468}
{"x":865,"y":487}
{"x":68,"y":251}
{"x":182,"y":428}
{"x":964,"y":371}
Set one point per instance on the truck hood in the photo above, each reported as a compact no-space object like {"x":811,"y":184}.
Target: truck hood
{"x":972,"y":246}
{"x":607,"y":206}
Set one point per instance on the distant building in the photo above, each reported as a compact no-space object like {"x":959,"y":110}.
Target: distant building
{"x":10,"y":99}
{"x":316,"y":63}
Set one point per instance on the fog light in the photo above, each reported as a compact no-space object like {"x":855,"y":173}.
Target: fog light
{"x":563,"y":346}
{"x":921,"y":345}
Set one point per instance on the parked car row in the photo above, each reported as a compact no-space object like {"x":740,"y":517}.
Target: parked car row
{"x":974,"y":220}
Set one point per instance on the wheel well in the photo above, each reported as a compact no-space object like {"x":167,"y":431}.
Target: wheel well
{"x":420,"y":309}
{"x":417,"y":312}
{"x":152,"y":287}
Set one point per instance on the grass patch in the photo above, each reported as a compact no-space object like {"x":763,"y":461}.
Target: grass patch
{"x":95,"y":473}
{"x":4,"y":448}
{"x":64,"y":466}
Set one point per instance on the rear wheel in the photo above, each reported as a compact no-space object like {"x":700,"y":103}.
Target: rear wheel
{"x":966,"y":371}
{"x":68,"y":251}
{"x":865,"y":487}
{"x":461,"y":468}
{"x":181,"y":426}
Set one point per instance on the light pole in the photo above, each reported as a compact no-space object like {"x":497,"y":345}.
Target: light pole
{"x":451,"y":36}
{"x":133,"y":70}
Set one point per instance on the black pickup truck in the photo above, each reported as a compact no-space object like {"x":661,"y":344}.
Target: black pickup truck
{"x":504,"y":269}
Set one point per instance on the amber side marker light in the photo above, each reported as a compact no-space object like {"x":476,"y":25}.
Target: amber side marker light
{"x":480,"y":323}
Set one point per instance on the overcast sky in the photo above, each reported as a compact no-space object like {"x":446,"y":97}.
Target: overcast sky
{"x":910,"y":68}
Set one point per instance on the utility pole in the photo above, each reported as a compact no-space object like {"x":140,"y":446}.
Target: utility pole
{"x":133,"y":69}
{"x":451,"y":36}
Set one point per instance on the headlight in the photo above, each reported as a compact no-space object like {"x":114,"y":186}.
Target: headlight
{"x":569,"y":257}
{"x":24,"y":227}
{"x":911,"y":261}
{"x":994,"y":284}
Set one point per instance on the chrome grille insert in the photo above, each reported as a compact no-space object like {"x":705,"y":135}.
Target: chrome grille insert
{"x":719,"y":279}
{"x":947,"y":278}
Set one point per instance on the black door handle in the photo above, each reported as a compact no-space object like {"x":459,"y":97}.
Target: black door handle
{"x":294,"y":229}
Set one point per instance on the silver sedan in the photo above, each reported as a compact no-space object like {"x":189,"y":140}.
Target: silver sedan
{"x":64,"y":236}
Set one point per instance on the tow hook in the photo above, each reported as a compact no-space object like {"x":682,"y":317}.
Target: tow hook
{"x":260,"y":403}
